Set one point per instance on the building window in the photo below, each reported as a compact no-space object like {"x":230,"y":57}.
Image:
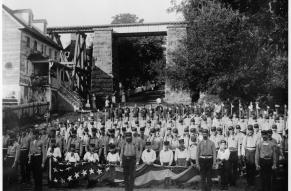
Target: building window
{"x":8,"y":65}
{"x":27,"y":42}
{"x":42,"y":48}
{"x":35,"y":46}
{"x":45,"y":50}
{"x":56,"y":55}
{"x":50,"y":52}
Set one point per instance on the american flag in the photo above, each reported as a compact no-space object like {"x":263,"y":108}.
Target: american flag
{"x":65,"y":172}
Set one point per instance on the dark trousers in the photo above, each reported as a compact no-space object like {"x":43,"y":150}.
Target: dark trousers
{"x":24,"y":166}
{"x":36,"y":169}
{"x":205,"y":172}
{"x":233,"y":167}
{"x":285,"y":171}
{"x":224,"y":173}
{"x":102,"y":157}
{"x":250,"y":167}
{"x":9,"y":173}
{"x":266,"y":174}
{"x":129,"y":164}
{"x":4,"y":151}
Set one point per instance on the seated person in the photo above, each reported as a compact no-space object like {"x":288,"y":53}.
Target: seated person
{"x":181,"y":154}
{"x":113,"y":157}
{"x":72,"y":155}
{"x":222,"y":158}
{"x":54,"y":150}
{"x":148,"y":155}
{"x":166,"y":155}
{"x":91,"y":155}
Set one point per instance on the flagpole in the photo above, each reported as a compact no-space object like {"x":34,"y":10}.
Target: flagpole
{"x":257,"y":108}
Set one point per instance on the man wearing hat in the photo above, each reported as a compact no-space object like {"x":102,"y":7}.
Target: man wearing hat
{"x":54,"y":150}
{"x":265,"y":161}
{"x":10,"y":161}
{"x":180,"y":127}
{"x":257,"y":131}
{"x":186,"y":137}
{"x":93,"y":140}
{"x":248,"y":151}
{"x":72,"y":155}
{"x":137,"y":140}
{"x":175,"y":140}
{"x":168,"y":135}
{"x":148,"y":155}
{"x":36,"y":158}
{"x":166,"y":155}
{"x":113,"y":157}
{"x":143,"y":137}
{"x":181,"y":154}
{"x":60,"y":140}
{"x":135,"y":112}
{"x":233,"y":145}
{"x":126,"y":113}
{"x":91,"y":155}
{"x":73,"y":140}
{"x":151,"y":112}
{"x":206,"y":160}
{"x":156,"y":141}
{"x":24,"y":150}
{"x":103,"y":140}
{"x":192,"y":150}
{"x":129,"y":158}
{"x":243,"y":123}
{"x":223,"y":155}
{"x":213,"y":135}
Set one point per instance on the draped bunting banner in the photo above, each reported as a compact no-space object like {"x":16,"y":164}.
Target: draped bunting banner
{"x":146,"y":175}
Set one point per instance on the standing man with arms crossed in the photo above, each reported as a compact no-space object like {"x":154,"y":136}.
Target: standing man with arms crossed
{"x":206,"y":160}
{"x":129,"y":156}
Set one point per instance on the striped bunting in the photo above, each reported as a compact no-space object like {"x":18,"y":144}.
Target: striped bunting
{"x":146,"y":175}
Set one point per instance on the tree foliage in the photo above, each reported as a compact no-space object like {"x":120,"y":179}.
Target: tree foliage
{"x":234,"y":49}
{"x":126,"y":18}
{"x":140,"y":59}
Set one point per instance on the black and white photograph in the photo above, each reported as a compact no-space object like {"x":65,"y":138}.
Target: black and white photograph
{"x":145,"y":95}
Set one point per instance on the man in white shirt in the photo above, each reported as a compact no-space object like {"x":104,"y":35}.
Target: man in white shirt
{"x":233,"y":146}
{"x":166,"y":155}
{"x":91,"y":155}
{"x":113,"y":157}
{"x":222,"y":157}
{"x":181,"y":154}
{"x":54,"y":150}
{"x":148,"y":155}
{"x":72,"y":156}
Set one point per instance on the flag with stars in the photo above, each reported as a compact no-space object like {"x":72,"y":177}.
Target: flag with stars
{"x":64,"y":173}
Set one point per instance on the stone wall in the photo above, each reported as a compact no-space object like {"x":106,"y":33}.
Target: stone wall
{"x":102,"y":73}
{"x":175,"y":34}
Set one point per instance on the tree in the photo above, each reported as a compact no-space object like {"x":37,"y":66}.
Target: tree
{"x":231,"y":53}
{"x":126,"y":18}
{"x":138,"y":56}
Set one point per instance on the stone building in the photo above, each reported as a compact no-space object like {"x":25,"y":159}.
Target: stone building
{"x":24,"y":49}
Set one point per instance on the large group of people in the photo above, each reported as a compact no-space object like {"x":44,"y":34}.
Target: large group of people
{"x":180,"y":135}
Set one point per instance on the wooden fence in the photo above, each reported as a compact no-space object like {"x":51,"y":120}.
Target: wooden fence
{"x":24,"y":111}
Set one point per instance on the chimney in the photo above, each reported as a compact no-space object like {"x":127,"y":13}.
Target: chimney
{"x":40,"y":24}
{"x":25,"y":15}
